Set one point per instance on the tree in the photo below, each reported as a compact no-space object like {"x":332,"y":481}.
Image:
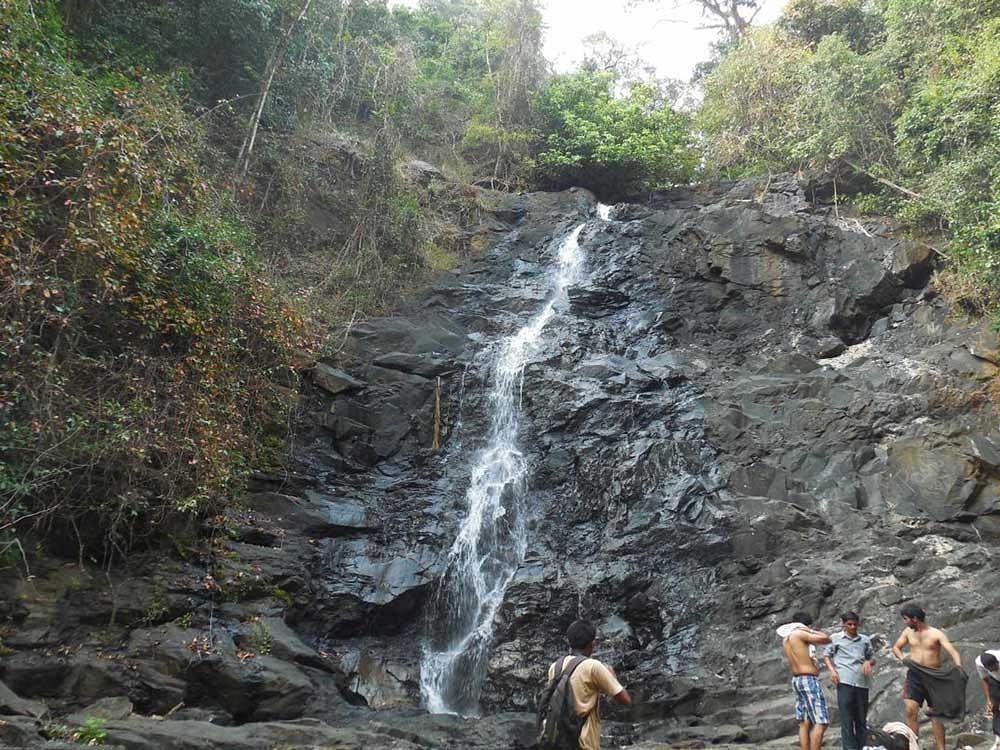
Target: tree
{"x":604,"y":52}
{"x":246,"y":150}
{"x":732,"y":17}
{"x":615,"y":146}
{"x":750,"y":115}
{"x":857,"y":21}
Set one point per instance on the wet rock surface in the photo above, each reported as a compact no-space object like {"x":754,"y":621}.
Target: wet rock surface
{"x":748,"y":407}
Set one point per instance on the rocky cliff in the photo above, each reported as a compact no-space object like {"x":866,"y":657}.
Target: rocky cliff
{"x":748,"y":406}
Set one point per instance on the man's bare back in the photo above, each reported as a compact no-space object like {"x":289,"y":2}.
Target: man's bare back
{"x":796,"y":647}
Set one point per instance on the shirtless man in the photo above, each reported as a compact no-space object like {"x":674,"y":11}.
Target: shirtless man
{"x":925,"y":644}
{"x":810,"y":703}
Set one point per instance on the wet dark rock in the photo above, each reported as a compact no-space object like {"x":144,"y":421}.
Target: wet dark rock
{"x":333,"y":380}
{"x":424,"y":366}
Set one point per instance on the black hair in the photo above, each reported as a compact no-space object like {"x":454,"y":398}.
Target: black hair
{"x":804,"y":617}
{"x":850,"y":615}
{"x":581,"y":634}
{"x":989,"y":661}
{"x":914,"y":611}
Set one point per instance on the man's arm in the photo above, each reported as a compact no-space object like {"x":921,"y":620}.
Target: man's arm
{"x":986,"y":692}
{"x":607,"y":682}
{"x":952,"y":651}
{"x":831,"y":650}
{"x":834,"y":675}
{"x":897,"y":647}
{"x":869,"y":664}
{"x":812,"y":636}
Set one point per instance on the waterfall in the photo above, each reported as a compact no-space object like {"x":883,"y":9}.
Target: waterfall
{"x":492,"y":538}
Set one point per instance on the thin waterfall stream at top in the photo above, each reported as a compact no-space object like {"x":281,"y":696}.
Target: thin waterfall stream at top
{"x":492,"y":538}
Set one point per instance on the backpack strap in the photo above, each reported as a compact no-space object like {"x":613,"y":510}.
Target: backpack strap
{"x":577,"y":661}
{"x":561,"y":667}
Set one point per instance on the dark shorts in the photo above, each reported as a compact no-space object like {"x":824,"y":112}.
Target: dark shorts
{"x":913,"y":687}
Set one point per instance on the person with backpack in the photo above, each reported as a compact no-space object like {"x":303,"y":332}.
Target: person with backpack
{"x":568,"y":715}
{"x":850,"y":658}
{"x":988,"y":668}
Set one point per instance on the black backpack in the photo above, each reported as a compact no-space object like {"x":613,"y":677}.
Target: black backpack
{"x":876,"y":737}
{"x":559,"y":726}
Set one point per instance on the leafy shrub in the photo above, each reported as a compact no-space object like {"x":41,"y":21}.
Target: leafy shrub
{"x":137,"y":334}
{"x":751,"y":116}
{"x":915,"y":106}
{"x":613,"y":145}
{"x":91,"y":733}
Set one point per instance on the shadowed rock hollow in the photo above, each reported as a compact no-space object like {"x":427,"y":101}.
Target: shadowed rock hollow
{"x":748,"y":407}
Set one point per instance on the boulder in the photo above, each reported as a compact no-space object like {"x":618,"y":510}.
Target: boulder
{"x":13,"y":705}
{"x":421,"y":173}
{"x":116,"y":708}
{"x":334,"y":380}
{"x":424,"y":365}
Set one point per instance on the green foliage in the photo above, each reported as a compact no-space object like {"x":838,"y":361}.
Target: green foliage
{"x":846,"y":111}
{"x":903,"y":90}
{"x":138,"y":336}
{"x":614,"y":145}
{"x":286,"y":599}
{"x":261,"y":641}
{"x":858,"y":22}
{"x":92,"y":732}
{"x":56,"y":732}
{"x":750,"y":114}
{"x":480,"y":58}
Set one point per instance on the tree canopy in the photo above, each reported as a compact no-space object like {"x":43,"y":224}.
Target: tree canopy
{"x":906,"y":92}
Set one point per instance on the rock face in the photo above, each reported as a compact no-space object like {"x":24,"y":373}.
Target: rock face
{"x":747,"y":408}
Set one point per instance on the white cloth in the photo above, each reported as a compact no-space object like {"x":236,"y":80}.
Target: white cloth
{"x":788,"y":628}
{"x":898,"y":727}
{"x":983,"y":671}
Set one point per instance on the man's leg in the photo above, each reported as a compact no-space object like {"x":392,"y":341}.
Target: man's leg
{"x":817,"y":712}
{"x":912,"y":710}
{"x":816,"y":736}
{"x":938,"y":728}
{"x":995,"y":700}
{"x":862,"y":714}
{"x":845,"y":702}
{"x":804,"y":727}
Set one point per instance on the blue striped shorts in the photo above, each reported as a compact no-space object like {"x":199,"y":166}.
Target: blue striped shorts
{"x":810,"y":703}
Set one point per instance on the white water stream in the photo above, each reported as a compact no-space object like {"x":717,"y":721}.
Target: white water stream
{"x":492,"y":538}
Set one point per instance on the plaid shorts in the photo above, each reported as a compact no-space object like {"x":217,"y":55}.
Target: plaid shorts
{"x":810,"y":703}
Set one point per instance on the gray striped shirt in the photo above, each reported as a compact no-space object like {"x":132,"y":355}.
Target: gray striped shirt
{"x":849,"y":655}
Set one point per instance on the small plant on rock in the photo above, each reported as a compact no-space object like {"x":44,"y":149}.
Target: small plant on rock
{"x":283,"y":596}
{"x":92,"y":732}
{"x":56,"y":732}
{"x":261,"y":640}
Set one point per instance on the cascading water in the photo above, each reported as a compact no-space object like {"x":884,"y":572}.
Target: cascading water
{"x":492,"y":538}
